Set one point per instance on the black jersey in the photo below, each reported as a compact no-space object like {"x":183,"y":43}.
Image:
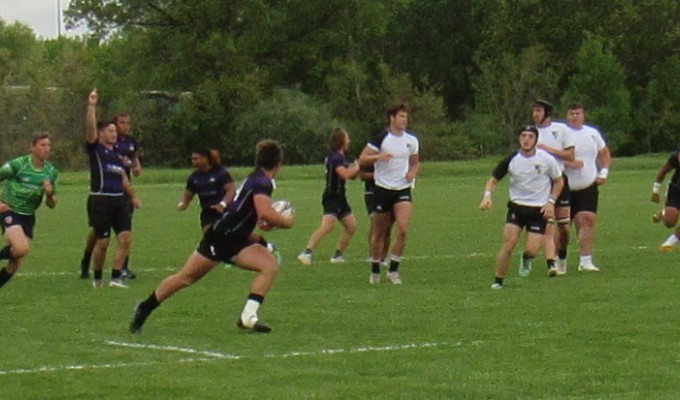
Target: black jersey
{"x":209,"y":185}
{"x":127,"y":147}
{"x":675,"y":163}
{"x":240,"y":217}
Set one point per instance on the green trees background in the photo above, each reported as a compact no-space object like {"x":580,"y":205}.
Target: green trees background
{"x":226,"y":73}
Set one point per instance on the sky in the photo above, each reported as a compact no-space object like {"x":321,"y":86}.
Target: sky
{"x":40,"y":15}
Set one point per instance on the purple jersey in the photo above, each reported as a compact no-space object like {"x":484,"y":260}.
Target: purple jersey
{"x":334,"y":183}
{"x":209,"y":185}
{"x":127,"y":147}
{"x":240,"y":217}
{"x":106,"y":166}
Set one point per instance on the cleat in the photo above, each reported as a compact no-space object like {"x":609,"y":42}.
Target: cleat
{"x":127,"y":274}
{"x":393,"y":277}
{"x":254,"y":325}
{"x":85,"y":275}
{"x":657,"y":216}
{"x":305,"y":259}
{"x":374,"y":279}
{"x":561,"y":267}
{"x":275,"y":252}
{"x":588,"y":268}
{"x":118,"y":282}
{"x":524,"y":268}
{"x":97,"y":283}
{"x":337,"y":260}
{"x":138,"y":319}
{"x":497,"y":286}
{"x":552,"y":271}
{"x":666,"y":248}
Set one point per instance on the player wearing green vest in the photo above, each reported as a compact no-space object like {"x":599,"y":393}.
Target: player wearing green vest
{"x":28,"y":179}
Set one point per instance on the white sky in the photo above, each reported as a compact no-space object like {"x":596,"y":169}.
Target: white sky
{"x":40,"y":15}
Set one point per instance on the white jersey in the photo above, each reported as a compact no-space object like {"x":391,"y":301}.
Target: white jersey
{"x":391,"y":174}
{"x":558,"y":136}
{"x":589,"y":142}
{"x":530,"y":177}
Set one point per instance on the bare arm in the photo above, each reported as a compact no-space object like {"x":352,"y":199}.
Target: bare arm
{"x":186,"y":200}
{"x":265,"y":212}
{"x":656,"y":188}
{"x":92,"y":99}
{"x":369,"y":157}
{"x":604,"y":159}
{"x":489,"y":187}
{"x":413,"y":167}
{"x":349,"y":172}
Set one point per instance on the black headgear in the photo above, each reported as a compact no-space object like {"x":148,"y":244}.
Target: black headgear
{"x":530,"y":128}
{"x":547,"y":106}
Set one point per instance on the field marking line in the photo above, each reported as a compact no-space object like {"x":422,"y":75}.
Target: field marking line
{"x":81,"y":367}
{"x":189,"y":350}
{"x":212,"y":356}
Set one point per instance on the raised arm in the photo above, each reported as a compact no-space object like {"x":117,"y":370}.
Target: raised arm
{"x":92,"y":99}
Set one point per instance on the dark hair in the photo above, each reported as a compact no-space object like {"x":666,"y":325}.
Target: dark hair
{"x":337,"y":139}
{"x":395,"y":109}
{"x":547,"y":106}
{"x":38,"y":136}
{"x":118,"y":116}
{"x":212,"y":155}
{"x":103,"y":124}
{"x":575,"y":105}
{"x":268,"y":154}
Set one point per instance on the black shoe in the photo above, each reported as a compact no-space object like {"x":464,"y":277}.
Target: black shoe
{"x":259,"y":327}
{"x":138,"y":319}
{"x":127,"y":274}
{"x":84,"y":274}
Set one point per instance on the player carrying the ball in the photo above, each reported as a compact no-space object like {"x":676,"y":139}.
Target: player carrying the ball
{"x":227,"y":240}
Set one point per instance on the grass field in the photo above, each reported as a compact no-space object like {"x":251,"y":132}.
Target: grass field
{"x":443,"y":334}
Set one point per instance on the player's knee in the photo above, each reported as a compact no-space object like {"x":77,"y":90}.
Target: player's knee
{"x":19,"y":250}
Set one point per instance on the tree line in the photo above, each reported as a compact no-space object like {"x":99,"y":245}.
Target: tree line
{"x":225,"y":73}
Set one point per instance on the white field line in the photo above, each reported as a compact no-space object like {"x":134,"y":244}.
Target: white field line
{"x":81,"y":367}
{"x":212,"y":356}
{"x":173,"y":349}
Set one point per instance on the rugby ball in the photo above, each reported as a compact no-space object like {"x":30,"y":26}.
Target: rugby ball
{"x":281,"y":205}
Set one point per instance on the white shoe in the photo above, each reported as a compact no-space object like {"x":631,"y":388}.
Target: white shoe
{"x":305,"y":259}
{"x":496,"y":286}
{"x":97,"y":283}
{"x":524,"y":268}
{"x":393,"y":277}
{"x":374,"y":279}
{"x":118,"y":283}
{"x":588,"y":268}
{"x":561,"y":267}
{"x":552,"y":271}
{"x":337,"y":260}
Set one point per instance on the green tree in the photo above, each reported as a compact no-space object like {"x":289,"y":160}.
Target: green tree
{"x":659,"y":119}
{"x":599,"y":83}
{"x":507,"y":85}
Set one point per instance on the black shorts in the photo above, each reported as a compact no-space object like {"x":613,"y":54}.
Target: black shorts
{"x":27,"y":222}
{"x":219,"y":247}
{"x":385,"y":199}
{"x":673,"y":197}
{"x":208,"y":216}
{"x":584,"y":200}
{"x":369,"y":201}
{"x":526,"y":217}
{"x":109,"y":212}
{"x":336,"y":205}
{"x":564,"y":199}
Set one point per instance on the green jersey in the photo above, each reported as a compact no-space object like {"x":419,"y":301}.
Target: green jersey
{"x":23,"y":190}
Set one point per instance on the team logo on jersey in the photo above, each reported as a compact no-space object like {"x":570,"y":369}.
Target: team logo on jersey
{"x":555,"y":134}
{"x":9,"y":220}
{"x":211,"y":180}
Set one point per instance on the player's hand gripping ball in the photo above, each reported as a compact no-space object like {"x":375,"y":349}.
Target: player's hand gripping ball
{"x":283,"y":207}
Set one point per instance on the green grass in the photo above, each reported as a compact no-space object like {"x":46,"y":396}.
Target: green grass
{"x":442,"y":334}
